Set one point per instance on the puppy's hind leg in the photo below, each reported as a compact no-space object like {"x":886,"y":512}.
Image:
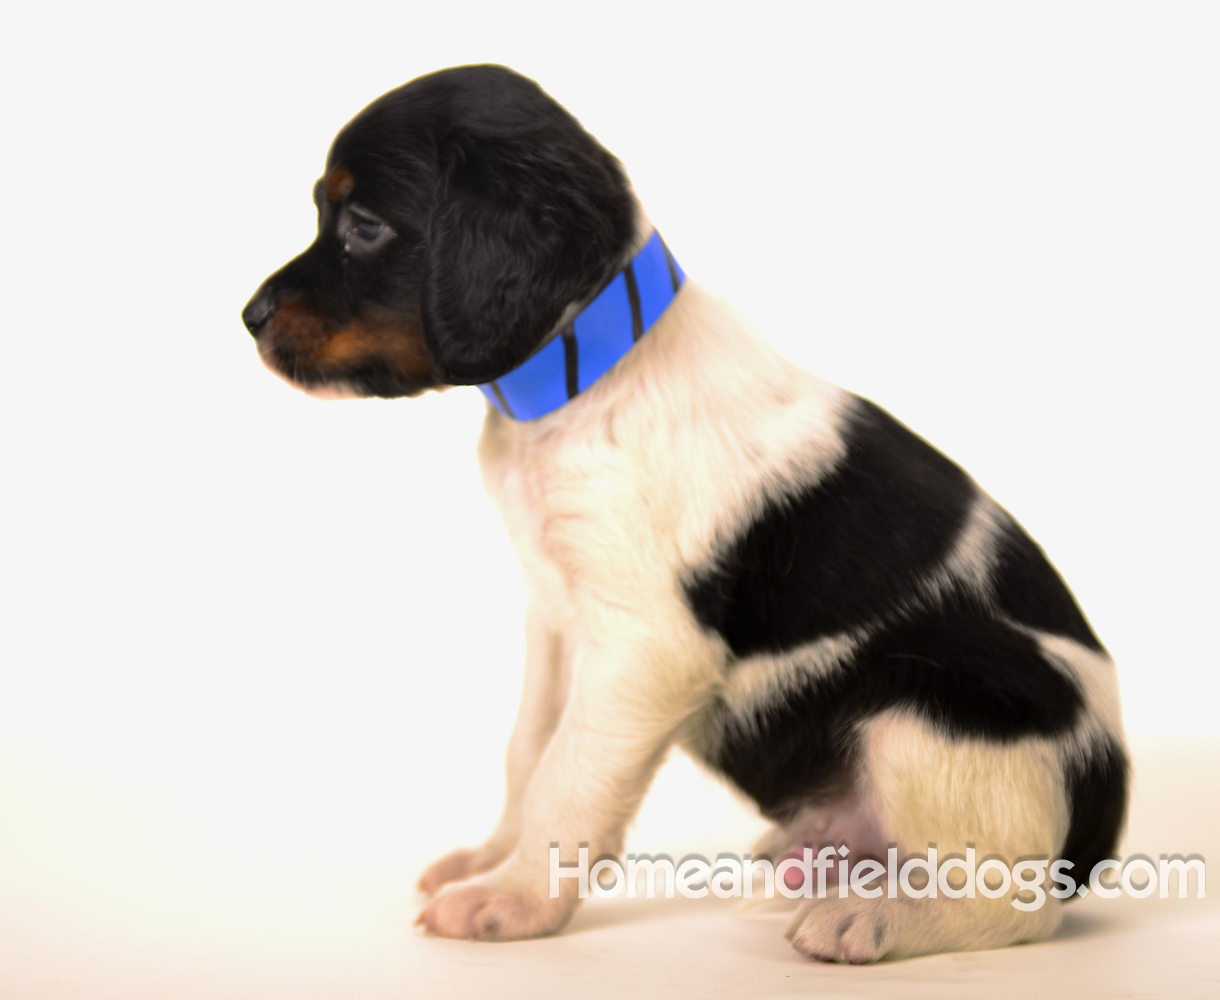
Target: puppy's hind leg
{"x":1004,"y":800}
{"x":542,"y":700}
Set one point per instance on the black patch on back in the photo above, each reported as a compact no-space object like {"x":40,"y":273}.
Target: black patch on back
{"x":832,"y":556}
{"x":966,"y":673}
{"x":1029,"y":590}
{"x":1097,"y":796}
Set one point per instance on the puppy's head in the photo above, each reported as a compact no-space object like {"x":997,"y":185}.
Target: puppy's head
{"x":459,"y":217}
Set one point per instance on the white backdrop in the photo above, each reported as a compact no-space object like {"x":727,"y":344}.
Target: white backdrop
{"x":1000,"y":224}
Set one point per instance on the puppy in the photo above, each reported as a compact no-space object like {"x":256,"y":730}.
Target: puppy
{"x":721,"y":550}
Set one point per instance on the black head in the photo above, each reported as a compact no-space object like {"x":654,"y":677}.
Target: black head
{"x":459,"y":216}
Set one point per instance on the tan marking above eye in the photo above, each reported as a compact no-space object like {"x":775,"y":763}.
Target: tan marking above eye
{"x":339,"y":184}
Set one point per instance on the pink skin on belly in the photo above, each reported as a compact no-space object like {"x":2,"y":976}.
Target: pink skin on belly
{"x":851,"y":819}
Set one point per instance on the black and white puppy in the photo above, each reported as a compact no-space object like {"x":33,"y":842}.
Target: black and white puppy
{"x":721,"y":549}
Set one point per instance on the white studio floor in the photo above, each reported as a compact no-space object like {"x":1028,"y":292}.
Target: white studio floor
{"x":114,"y":896}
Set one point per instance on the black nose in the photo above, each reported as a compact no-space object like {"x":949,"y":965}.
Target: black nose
{"x":258,"y":310}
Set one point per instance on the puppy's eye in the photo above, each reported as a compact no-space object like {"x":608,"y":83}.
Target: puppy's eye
{"x":362,"y":232}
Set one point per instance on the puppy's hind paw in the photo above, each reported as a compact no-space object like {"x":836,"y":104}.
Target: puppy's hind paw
{"x":851,"y":930}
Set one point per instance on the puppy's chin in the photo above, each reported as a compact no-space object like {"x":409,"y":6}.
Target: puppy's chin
{"x":338,"y":389}
{"x":329,"y":390}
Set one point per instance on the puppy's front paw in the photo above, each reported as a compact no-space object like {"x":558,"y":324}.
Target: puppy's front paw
{"x":482,"y":910}
{"x":457,"y":865}
{"x":845,"y":930}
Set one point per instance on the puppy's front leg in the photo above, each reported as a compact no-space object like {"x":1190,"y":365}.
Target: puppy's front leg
{"x":542,"y":697}
{"x":625,"y":703}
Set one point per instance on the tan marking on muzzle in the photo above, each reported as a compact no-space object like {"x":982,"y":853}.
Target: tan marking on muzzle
{"x":300,"y":340}
{"x":401,"y":346}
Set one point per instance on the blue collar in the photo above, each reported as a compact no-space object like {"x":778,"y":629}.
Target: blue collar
{"x":593,"y":342}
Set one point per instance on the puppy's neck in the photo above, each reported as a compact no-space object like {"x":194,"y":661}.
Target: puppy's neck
{"x":588,"y":345}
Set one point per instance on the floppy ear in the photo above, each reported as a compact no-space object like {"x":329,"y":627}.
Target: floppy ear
{"x":523,"y":224}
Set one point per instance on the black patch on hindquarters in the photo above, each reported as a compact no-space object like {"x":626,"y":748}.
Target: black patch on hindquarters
{"x":1028,"y":589}
{"x":839,"y":553}
{"x":1097,"y":796}
{"x":964,"y":672}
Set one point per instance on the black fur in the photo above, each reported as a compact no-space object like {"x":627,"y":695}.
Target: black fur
{"x":1029,"y":590}
{"x":1097,"y":797}
{"x":842,"y":551}
{"x":954,"y":664}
